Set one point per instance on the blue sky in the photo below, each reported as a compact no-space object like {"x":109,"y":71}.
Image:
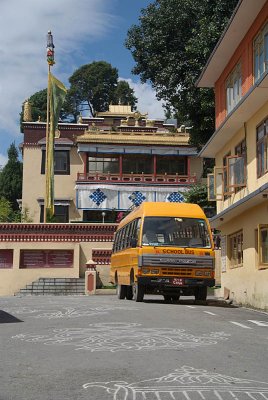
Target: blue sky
{"x":83,"y":30}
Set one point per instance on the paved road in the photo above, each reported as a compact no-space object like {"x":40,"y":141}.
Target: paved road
{"x":99,"y":347}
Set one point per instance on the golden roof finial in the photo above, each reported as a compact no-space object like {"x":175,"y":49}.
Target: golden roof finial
{"x":27,"y":111}
{"x":80,"y":119}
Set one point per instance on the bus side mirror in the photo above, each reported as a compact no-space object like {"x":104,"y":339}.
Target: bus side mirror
{"x":133,"y":242}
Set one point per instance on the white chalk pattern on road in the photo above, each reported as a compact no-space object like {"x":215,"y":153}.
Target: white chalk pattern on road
{"x":185,"y":383}
{"x":68,"y":312}
{"x":124,"y":337}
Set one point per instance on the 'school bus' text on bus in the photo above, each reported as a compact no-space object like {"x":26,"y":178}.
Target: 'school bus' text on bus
{"x":163,"y":248}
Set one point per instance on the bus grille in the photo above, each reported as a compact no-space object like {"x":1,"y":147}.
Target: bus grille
{"x":177,"y":271}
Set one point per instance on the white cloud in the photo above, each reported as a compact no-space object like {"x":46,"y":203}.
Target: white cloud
{"x":147,"y":101}
{"x":3,"y":160}
{"x":23,"y":29}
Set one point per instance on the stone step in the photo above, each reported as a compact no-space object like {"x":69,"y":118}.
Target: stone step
{"x":55,"y":286}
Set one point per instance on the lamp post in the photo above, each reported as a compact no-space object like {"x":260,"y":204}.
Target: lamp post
{"x":103,"y":216}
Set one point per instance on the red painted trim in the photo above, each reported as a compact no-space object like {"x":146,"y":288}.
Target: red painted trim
{"x":120,"y":166}
{"x":188,"y":166}
{"x":85,"y":158}
{"x":137,"y":178}
{"x":57,"y":232}
{"x":102,"y":257}
{"x":154,"y":158}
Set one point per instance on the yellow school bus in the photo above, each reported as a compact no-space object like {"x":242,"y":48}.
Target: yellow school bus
{"x":163,"y":248}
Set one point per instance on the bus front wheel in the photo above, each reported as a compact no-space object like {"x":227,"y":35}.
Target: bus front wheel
{"x":138,"y":292}
{"x":121,"y":291}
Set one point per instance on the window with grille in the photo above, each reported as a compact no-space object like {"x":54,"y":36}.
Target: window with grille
{"x":61,"y":162}
{"x":103,"y":164}
{"x":260,"y":53}
{"x":235,"y":242}
{"x":263,"y":246}
{"x":261,"y":150}
{"x":233,"y":86}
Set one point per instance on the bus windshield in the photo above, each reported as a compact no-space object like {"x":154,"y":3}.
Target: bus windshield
{"x":175,"y":231}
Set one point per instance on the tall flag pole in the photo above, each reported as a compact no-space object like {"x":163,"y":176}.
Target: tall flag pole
{"x":56,"y":93}
{"x":50,"y":62}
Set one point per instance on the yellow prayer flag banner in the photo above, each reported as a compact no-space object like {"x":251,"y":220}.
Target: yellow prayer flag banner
{"x":56,"y":94}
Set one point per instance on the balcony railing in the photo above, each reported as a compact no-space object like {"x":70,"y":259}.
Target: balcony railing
{"x":136,"y":178}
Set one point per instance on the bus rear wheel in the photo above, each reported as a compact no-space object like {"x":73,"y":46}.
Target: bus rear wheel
{"x":138,"y":292}
{"x":201,"y":293}
{"x":121,"y":291}
{"x":129,"y":294}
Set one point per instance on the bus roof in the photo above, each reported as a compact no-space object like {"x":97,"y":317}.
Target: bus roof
{"x":164,"y":209}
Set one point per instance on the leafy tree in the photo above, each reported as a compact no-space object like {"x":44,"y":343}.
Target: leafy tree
{"x":93,"y":86}
{"x":5,"y":210}
{"x":123,"y":94}
{"x":7,"y":214}
{"x":11,"y":178}
{"x":198,"y":194}
{"x":170,"y":46}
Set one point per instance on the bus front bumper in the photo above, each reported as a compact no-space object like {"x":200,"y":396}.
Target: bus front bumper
{"x":174,"y":282}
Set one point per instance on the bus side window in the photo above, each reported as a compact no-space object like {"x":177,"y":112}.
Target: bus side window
{"x":130,"y":233}
{"x":137,"y":229}
{"x":127,"y":240}
{"x":122,"y":241}
{"x":118,"y":247}
{"x":115,"y":242}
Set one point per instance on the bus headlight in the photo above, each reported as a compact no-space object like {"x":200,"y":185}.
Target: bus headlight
{"x":202,"y":273}
{"x":145,"y":270}
{"x":155,"y":271}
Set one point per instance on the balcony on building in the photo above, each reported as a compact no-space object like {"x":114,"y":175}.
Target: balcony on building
{"x":137,"y":150}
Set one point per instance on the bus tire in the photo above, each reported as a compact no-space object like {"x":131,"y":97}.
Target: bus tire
{"x":121,"y":291}
{"x":167,"y":298}
{"x":138,"y":292}
{"x":176,"y":298}
{"x":129,"y":294}
{"x":201,"y":293}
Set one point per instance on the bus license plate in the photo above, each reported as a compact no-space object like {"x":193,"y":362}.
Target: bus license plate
{"x":178,"y":281}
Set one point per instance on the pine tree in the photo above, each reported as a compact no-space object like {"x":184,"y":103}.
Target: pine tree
{"x":11,"y":178}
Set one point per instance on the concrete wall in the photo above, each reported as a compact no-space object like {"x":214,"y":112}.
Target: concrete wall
{"x":13,"y":279}
{"x":247,"y":284}
{"x":34,"y":182}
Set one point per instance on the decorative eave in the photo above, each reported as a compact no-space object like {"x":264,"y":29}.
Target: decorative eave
{"x":57,"y":201}
{"x":65,"y":126}
{"x":241,"y":20}
{"x":61,"y":141}
{"x":13,"y":232}
{"x":133,"y":139}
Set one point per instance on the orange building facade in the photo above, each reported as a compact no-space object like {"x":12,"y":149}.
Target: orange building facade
{"x":238,"y":71}
{"x":244,"y":55}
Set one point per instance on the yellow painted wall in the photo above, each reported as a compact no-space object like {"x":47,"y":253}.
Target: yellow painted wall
{"x":248,"y":285}
{"x":34,"y":183}
{"x":13,"y":279}
{"x":252,"y":182}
